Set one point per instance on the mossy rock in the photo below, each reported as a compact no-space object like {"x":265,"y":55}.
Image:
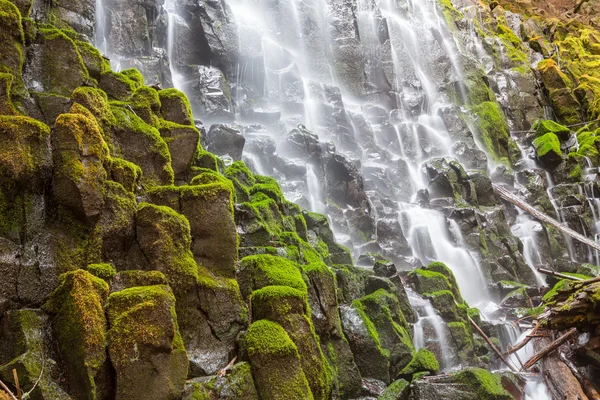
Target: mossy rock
{"x":378,"y":335}
{"x":288,"y":307}
{"x":423,"y":361}
{"x":447,"y":272}
{"x":144,"y":344}
{"x":468,"y":384}
{"x":103,"y":271}
{"x":209,"y":208}
{"x":205,"y":159}
{"x":275,"y":363}
{"x":118,"y":86}
{"x":446,"y":304}
{"x":25,"y":158}
{"x":146,"y":104}
{"x":238,"y":384}
{"x":429,"y":281}
{"x":175,"y":107}
{"x":93,"y":60}
{"x":182,"y":141}
{"x":24,"y":348}
{"x":132,"y":278}
{"x":141,"y":144}
{"x":255,"y":272}
{"x":238,"y":170}
{"x":12,"y":40}
{"x":52,"y":105}
{"x":79,"y":326}
{"x":543,"y":127}
{"x":548,"y":150}
{"x":6,"y":105}
{"x":59,"y":75}
{"x":96,"y":101}
{"x":398,"y":390}
{"x":79,"y":176}
{"x":124,"y":172}
{"x":493,"y":129}
{"x":164,"y":238}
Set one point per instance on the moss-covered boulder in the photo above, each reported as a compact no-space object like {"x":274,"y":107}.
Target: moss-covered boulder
{"x":237,"y":384}
{"x":116,"y":224}
{"x":183,"y":142}
{"x":559,"y":88}
{"x":209,"y":208}
{"x":255,"y":272}
{"x":117,"y":85}
{"x":23,"y":347}
{"x":123,"y":172}
{"x":378,"y":335}
{"x":175,"y":107}
{"x":78,"y":153}
{"x":288,"y":307}
{"x":423,"y":361}
{"x":48,"y":73}
{"x":493,"y":129}
{"x":144,"y":344}
{"x":468,"y":384}
{"x":547,"y":148}
{"x":12,"y":40}
{"x":275,"y":363}
{"x":163,"y":237}
{"x":541,"y":127}
{"x":398,"y":390}
{"x":79,"y":325}
{"x":25,"y":157}
{"x":93,"y":60}
{"x":96,"y":102}
{"x":6,"y":105}
{"x":141,"y":144}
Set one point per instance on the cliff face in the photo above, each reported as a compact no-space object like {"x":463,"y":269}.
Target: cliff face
{"x":137,"y":264}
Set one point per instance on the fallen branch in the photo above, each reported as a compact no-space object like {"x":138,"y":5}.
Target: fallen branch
{"x":223,"y":371}
{"x":558,"y":275}
{"x":524,"y":342}
{"x":489,"y":342}
{"x":587,"y":387}
{"x":553,"y":346}
{"x":7,"y":390}
{"x":540,"y":216}
{"x":26,"y":395}
{"x":17,"y":385}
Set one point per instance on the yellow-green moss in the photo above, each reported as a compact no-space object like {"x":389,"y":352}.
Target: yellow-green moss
{"x":103,"y":271}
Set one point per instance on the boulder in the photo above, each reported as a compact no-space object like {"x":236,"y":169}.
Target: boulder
{"x":223,"y":139}
{"x":209,"y":93}
{"x":547,"y":148}
{"x":275,"y":363}
{"x":175,"y":107}
{"x":78,"y":177}
{"x":238,"y":384}
{"x":79,"y":326}
{"x":144,"y":344}
{"x":183,"y":143}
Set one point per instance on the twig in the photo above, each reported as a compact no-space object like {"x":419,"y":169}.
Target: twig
{"x":489,"y":342}
{"x":524,"y":342}
{"x":223,"y":371}
{"x":26,"y":395}
{"x":587,"y":387}
{"x":559,"y":275}
{"x":16,"y":379}
{"x":7,"y":390}
{"x":568,"y":126}
{"x":553,"y":346}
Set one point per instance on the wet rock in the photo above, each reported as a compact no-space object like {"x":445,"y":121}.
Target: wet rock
{"x":144,"y":344}
{"x":225,"y":140}
{"x":175,"y":107}
{"x":183,"y":143}
{"x":209,"y":93}
{"x":276,"y":366}
{"x":80,"y":326}
{"x":45,"y":73}
{"x":23,"y":346}
{"x":471,"y":383}
{"x":483,"y":188}
{"x":78,"y":153}
{"x":470,"y":157}
{"x":237,"y":384}
{"x":548,"y":150}
{"x":383,"y":350}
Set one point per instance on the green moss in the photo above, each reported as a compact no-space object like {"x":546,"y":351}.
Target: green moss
{"x":395,"y":391}
{"x":209,"y":177}
{"x":272,"y":302}
{"x":205,"y":159}
{"x":427,"y":281}
{"x":175,"y":106}
{"x":117,"y":85}
{"x":93,"y":60}
{"x":12,"y":39}
{"x":103,"y":271}
{"x":134,"y":75}
{"x":493,"y":129}
{"x":548,"y":148}
{"x":485,"y":384}
{"x":79,"y":325}
{"x":268,"y":344}
{"x":124,"y":172}
{"x":133,"y":133}
{"x":542,"y":127}
{"x":238,"y":170}
{"x":423,"y":361}
{"x":268,"y":270}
